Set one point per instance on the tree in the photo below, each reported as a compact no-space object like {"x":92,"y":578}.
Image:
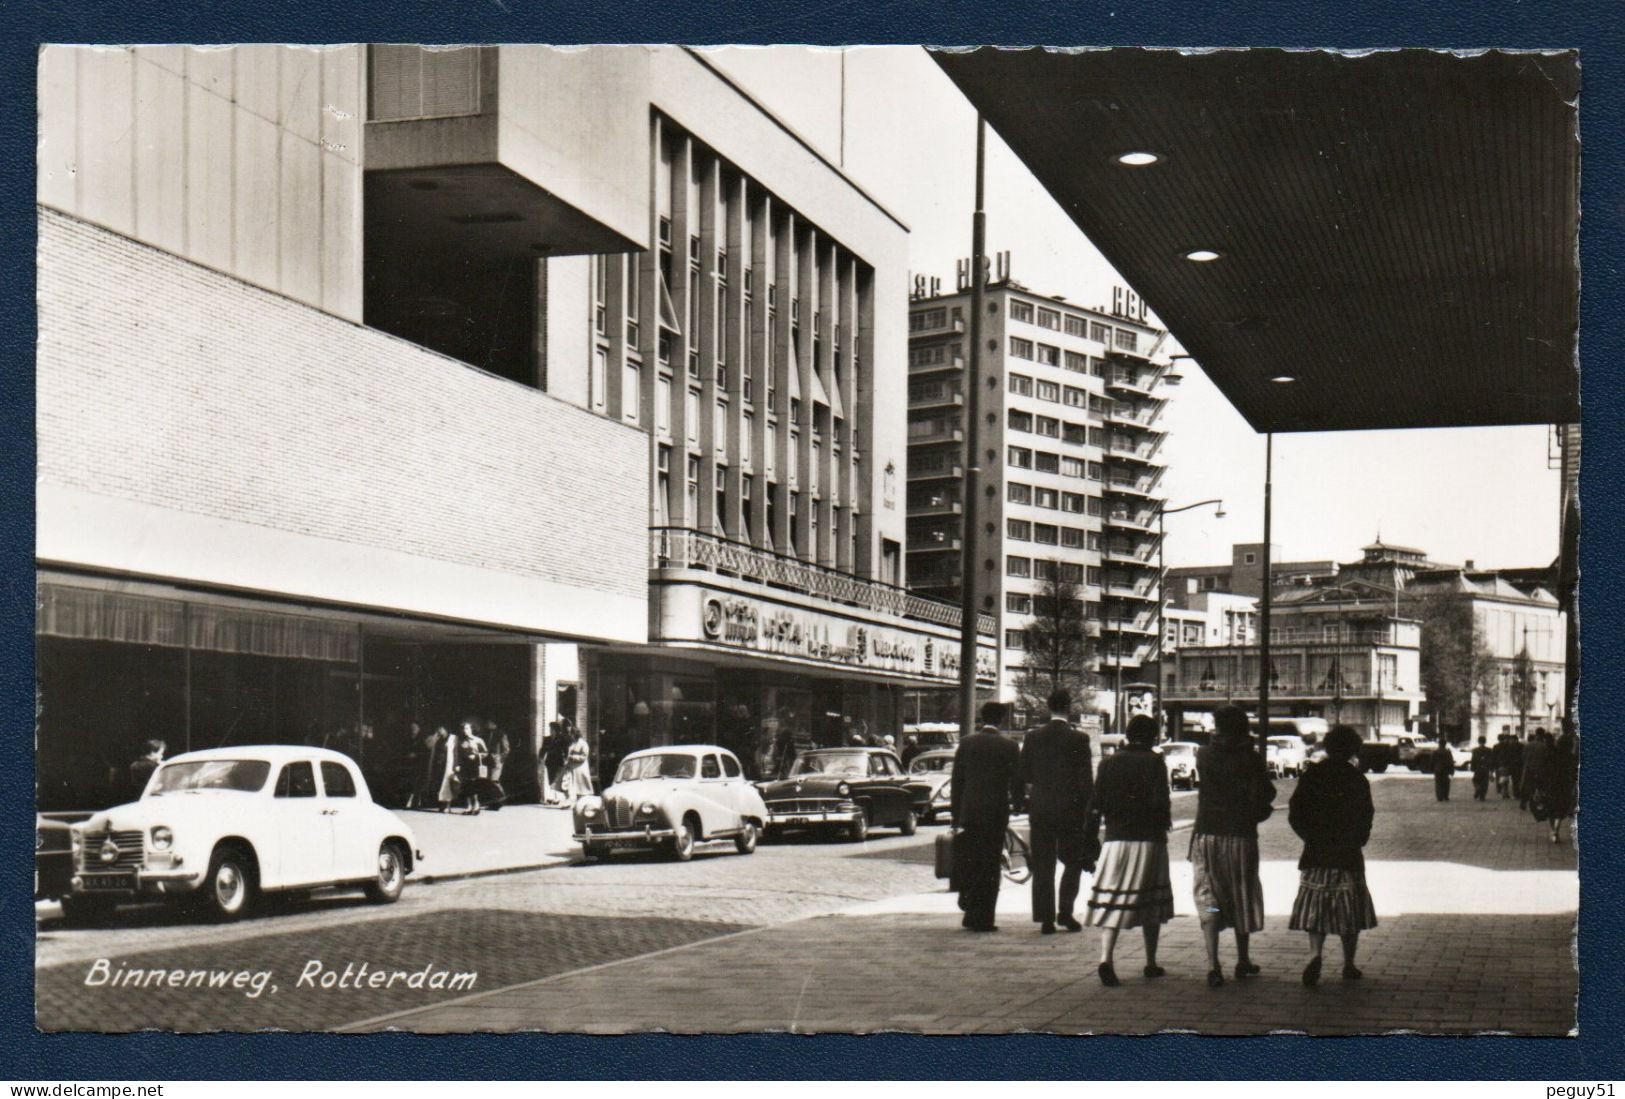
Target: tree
{"x":1058,"y":651}
{"x":1458,"y":668}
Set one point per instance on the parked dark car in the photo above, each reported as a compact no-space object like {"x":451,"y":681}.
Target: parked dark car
{"x":842,"y":789}
{"x":53,"y":859}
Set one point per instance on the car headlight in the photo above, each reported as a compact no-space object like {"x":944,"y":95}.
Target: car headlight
{"x":590,"y":811}
{"x":843,"y":789}
{"x":162,"y":838}
{"x":647,"y":809}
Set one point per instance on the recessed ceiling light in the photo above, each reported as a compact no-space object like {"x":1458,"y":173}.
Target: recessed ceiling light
{"x":1139,"y":159}
{"x":1203,"y":255}
{"x":1283,"y":379}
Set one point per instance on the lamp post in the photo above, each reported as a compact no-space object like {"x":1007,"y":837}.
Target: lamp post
{"x":969,"y":611}
{"x":1162,"y":575}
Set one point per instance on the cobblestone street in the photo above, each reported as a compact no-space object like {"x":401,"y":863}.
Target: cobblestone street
{"x":1477,"y":910}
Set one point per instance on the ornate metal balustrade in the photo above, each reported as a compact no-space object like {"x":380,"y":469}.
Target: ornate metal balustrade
{"x":682,"y":548}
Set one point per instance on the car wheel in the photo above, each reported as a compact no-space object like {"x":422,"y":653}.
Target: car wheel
{"x":80,"y":911}
{"x":858,"y":830}
{"x":745,"y":842}
{"x":909,"y":825}
{"x":386,"y":887}
{"x":682,"y":846}
{"x":228,"y":887}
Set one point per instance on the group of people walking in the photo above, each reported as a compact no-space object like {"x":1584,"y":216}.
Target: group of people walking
{"x":463,"y":769}
{"x":1543,"y":775}
{"x":1115,"y":825}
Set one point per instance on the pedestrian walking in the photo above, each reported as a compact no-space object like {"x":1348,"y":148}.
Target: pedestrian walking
{"x":472,"y":766}
{"x":142,"y":767}
{"x":986,"y":782}
{"x":1331,"y":812}
{"x":1515,"y":767}
{"x":1444,"y":765}
{"x":575,"y":779}
{"x":442,"y":777}
{"x":1559,"y":779}
{"x":553,"y":755}
{"x":1235,"y":794}
{"x":1131,"y":886}
{"x":1502,"y":758}
{"x":1483,"y":766}
{"x":1059,"y":784}
{"x":1534,"y":767}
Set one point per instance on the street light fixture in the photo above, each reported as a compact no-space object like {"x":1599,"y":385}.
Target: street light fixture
{"x":1162,"y":590}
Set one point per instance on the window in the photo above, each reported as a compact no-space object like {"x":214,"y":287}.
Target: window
{"x":297,"y":780}
{"x":1046,"y":570}
{"x":691,"y":415}
{"x":917,"y":322}
{"x":1070,"y":573}
{"x":1128,"y":341}
{"x":1020,"y":494}
{"x":1018,"y":566}
{"x":337,"y":780}
{"x":730,"y":766}
{"x":1048,"y":391}
{"x":1021,"y":457}
{"x":1095,"y":507}
{"x":1097,"y":367}
{"x":1249,"y":558}
{"x":1074,"y":433}
{"x":663,"y":487}
{"x":1077,"y":398}
{"x":709,"y":767}
{"x":631,"y":390}
{"x":1015,"y":639}
{"x":1021,"y":349}
{"x":598,"y":383}
{"x":692,"y":515}
{"x":1048,"y":426}
{"x":1021,"y":311}
{"x":1021,"y":421}
{"x":1047,"y":498}
{"x":1097,"y":471}
{"x":1016,"y":603}
{"x":891,"y":562}
{"x":1021,"y":385}
{"x":1078,"y":364}
{"x":1046,"y":535}
{"x":1093,"y":541}
{"x":1100,"y":333}
{"x":1097,"y":436}
{"x":1049,"y":318}
{"x":1046,"y":463}
{"x":1076,"y":325}
{"x":1072,"y":467}
{"x":1092,"y":576}
{"x":1049,"y":356}
{"x":1019,"y":529}
{"x":1073,"y":502}
{"x":663,"y":405}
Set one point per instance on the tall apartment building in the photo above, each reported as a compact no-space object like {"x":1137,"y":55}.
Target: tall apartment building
{"x":331,"y":441}
{"x":1070,"y":439}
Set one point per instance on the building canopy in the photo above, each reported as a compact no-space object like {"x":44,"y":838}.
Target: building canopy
{"x":1395,"y":230}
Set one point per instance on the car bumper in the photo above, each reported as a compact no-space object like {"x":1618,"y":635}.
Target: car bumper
{"x":113,"y":883}
{"x":628,"y":837}
{"x":812,"y":818}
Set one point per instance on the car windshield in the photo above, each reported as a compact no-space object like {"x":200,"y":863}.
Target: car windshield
{"x":1178,"y":749}
{"x":832,"y":763}
{"x":1286,"y":742}
{"x":245,"y":775}
{"x":931,"y":764}
{"x":660,"y":765}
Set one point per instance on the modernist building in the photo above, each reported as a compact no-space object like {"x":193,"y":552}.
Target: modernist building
{"x":1070,"y":469}
{"x":331,"y":439}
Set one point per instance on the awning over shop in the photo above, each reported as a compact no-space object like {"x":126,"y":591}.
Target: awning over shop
{"x":1397,"y":230}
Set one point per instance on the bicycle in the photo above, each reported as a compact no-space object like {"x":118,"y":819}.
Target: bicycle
{"x":1015,"y":861}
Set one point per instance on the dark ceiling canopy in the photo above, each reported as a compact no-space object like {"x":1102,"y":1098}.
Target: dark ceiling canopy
{"x":1396,"y":230}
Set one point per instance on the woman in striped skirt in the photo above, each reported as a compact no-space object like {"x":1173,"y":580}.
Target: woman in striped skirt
{"x":1331,"y":812}
{"x":1236,"y":794}
{"x":1131,"y":887}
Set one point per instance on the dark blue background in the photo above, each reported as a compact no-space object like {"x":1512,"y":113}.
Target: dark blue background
{"x":1594,"y":28}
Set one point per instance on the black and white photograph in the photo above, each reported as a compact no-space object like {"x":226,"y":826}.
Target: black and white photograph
{"x":807,"y":540}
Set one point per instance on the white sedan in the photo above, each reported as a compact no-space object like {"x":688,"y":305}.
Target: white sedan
{"x":1180,"y":758}
{"x":672,"y":799}
{"x":219,"y":827}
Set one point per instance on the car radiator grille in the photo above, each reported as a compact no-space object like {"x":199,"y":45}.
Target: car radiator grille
{"x":129,"y":851}
{"x":801,"y":805}
{"x":618,"y":811}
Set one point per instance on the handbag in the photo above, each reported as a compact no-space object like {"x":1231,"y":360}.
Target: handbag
{"x":945,"y":855}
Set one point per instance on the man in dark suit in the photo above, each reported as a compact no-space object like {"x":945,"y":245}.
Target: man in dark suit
{"x":986,"y":782}
{"x":1060,"y":783}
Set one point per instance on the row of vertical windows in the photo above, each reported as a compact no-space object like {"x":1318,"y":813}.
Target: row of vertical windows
{"x":1029,"y":568}
{"x":1054,"y":499}
{"x":1124,"y":339}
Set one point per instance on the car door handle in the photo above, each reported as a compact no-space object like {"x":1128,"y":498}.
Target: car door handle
{"x":330,"y":812}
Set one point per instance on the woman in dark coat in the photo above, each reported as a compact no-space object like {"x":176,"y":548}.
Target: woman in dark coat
{"x":1235,"y":794}
{"x":1331,"y":812}
{"x":1559,"y":780}
{"x":1131,"y":886}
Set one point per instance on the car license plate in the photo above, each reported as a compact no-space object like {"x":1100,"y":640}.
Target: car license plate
{"x":798,"y":820}
{"x":624,"y":845}
{"x":107,"y":881}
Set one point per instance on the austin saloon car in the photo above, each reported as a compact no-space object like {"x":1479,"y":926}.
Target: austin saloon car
{"x":672,"y":799}
{"x":1179,"y":756}
{"x":53,"y":859}
{"x":215,"y":829}
{"x":846,"y":789}
{"x":930,"y":776}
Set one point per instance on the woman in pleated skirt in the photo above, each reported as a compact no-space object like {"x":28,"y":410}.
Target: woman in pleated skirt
{"x":1131,"y":886}
{"x":1331,"y":811}
{"x":1235,"y":795}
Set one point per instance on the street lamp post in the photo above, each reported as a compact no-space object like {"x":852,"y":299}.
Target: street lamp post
{"x":1162,"y":577}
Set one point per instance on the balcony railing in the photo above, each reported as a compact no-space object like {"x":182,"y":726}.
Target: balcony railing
{"x":682,"y":548}
{"x":936,"y":473}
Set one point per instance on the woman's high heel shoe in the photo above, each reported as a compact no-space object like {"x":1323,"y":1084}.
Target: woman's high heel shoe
{"x":1108,"y":975}
{"x":1311,"y":972}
